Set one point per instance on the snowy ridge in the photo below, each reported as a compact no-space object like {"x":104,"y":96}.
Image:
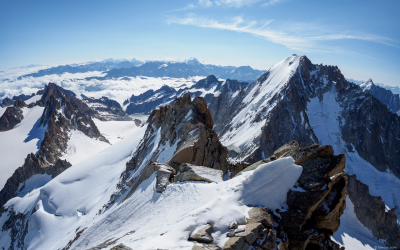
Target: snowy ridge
{"x":71,"y":201}
{"x":246,"y":125}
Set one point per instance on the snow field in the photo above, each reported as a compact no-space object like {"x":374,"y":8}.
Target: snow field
{"x":20,"y":141}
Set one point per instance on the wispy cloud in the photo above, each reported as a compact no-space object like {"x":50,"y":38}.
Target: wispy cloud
{"x":227,"y":3}
{"x":300,"y":37}
{"x":273,"y":2}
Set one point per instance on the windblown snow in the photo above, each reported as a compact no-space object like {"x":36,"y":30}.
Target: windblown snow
{"x":146,"y":220}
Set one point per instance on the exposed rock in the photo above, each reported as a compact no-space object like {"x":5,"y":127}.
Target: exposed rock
{"x":61,"y":115}
{"x":236,"y":243}
{"x":269,"y":241}
{"x":203,"y":235}
{"x":121,"y":247}
{"x":32,"y":166}
{"x":188,"y":125}
{"x":78,"y":234}
{"x":164,"y":177}
{"x":189,"y":172}
{"x":106,"y":109}
{"x":11,"y":117}
{"x":317,"y":169}
{"x":260,"y":215}
{"x":23,"y":97}
{"x":310,"y":152}
{"x":290,"y":146}
{"x":370,"y":211}
{"x":252,"y":231}
{"x":233,"y":225}
{"x":327,"y":216}
{"x":206,"y":247}
{"x":7,"y":102}
{"x":392,"y":101}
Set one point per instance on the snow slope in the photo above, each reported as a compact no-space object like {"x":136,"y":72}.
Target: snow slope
{"x":20,"y":141}
{"x":146,"y":220}
{"x":114,"y":131}
{"x":354,"y":235}
{"x":82,"y":189}
{"x":244,"y":124}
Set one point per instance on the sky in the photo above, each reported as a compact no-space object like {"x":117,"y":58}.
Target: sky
{"x":361,"y":37}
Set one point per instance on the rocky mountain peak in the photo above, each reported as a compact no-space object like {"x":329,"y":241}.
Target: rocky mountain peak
{"x":181,"y":133}
{"x":207,"y":82}
{"x":192,"y":61}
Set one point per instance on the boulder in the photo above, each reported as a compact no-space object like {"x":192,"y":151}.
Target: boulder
{"x":260,"y":215}
{"x":203,"y":235}
{"x":236,"y":243}
{"x":164,"y":176}
{"x":189,"y":172}
{"x":251,"y":232}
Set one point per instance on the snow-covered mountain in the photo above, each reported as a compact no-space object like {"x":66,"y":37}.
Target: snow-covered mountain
{"x":151,"y":99}
{"x":296,"y":100}
{"x":188,"y":68}
{"x":210,"y":169}
{"x":382,"y":94}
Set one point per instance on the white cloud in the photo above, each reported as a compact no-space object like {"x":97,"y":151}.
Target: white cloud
{"x":298,"y":36}
{"x":227,"y":3}
{"x":273,"y":2}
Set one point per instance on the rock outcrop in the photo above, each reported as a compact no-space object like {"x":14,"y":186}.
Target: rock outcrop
{"x":371,"y":212}
{"x":189,"y":172}
{"x":164,"y":177}
{"x":106,"y":109}
{"x":392,"y":101}
{"x":181,"y":133}
{"x":32,"y":166}
{"x":12,"y":116}
{"x":315,"y":205}
{"x":7,"y":102}
{"x":152,"y":99}
{"x":60,"y":116}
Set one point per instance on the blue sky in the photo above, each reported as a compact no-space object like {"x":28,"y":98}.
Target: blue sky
{"x":361,"y":37}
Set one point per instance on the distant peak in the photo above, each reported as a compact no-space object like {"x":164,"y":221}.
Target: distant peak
{"x":192,"y":61}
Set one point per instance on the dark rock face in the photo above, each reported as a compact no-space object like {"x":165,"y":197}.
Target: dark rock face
{"x":374,"y":216}
{"x":315,"y":203}
{"x":33,"y":165}
{"x":7,"y":102}
{"x":106,"y":109}
{"x":23,"y":97}
{"x":11,"y":117}
{"x":365,"y":122}
{"x":188,"y":125}
{"x":149,"y":100}
{"x":385,"y":96}
{"x":61,"y":115}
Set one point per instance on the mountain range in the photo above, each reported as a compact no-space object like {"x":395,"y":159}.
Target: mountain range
{"x":132,"y":68}
{"x":300,"y":158}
